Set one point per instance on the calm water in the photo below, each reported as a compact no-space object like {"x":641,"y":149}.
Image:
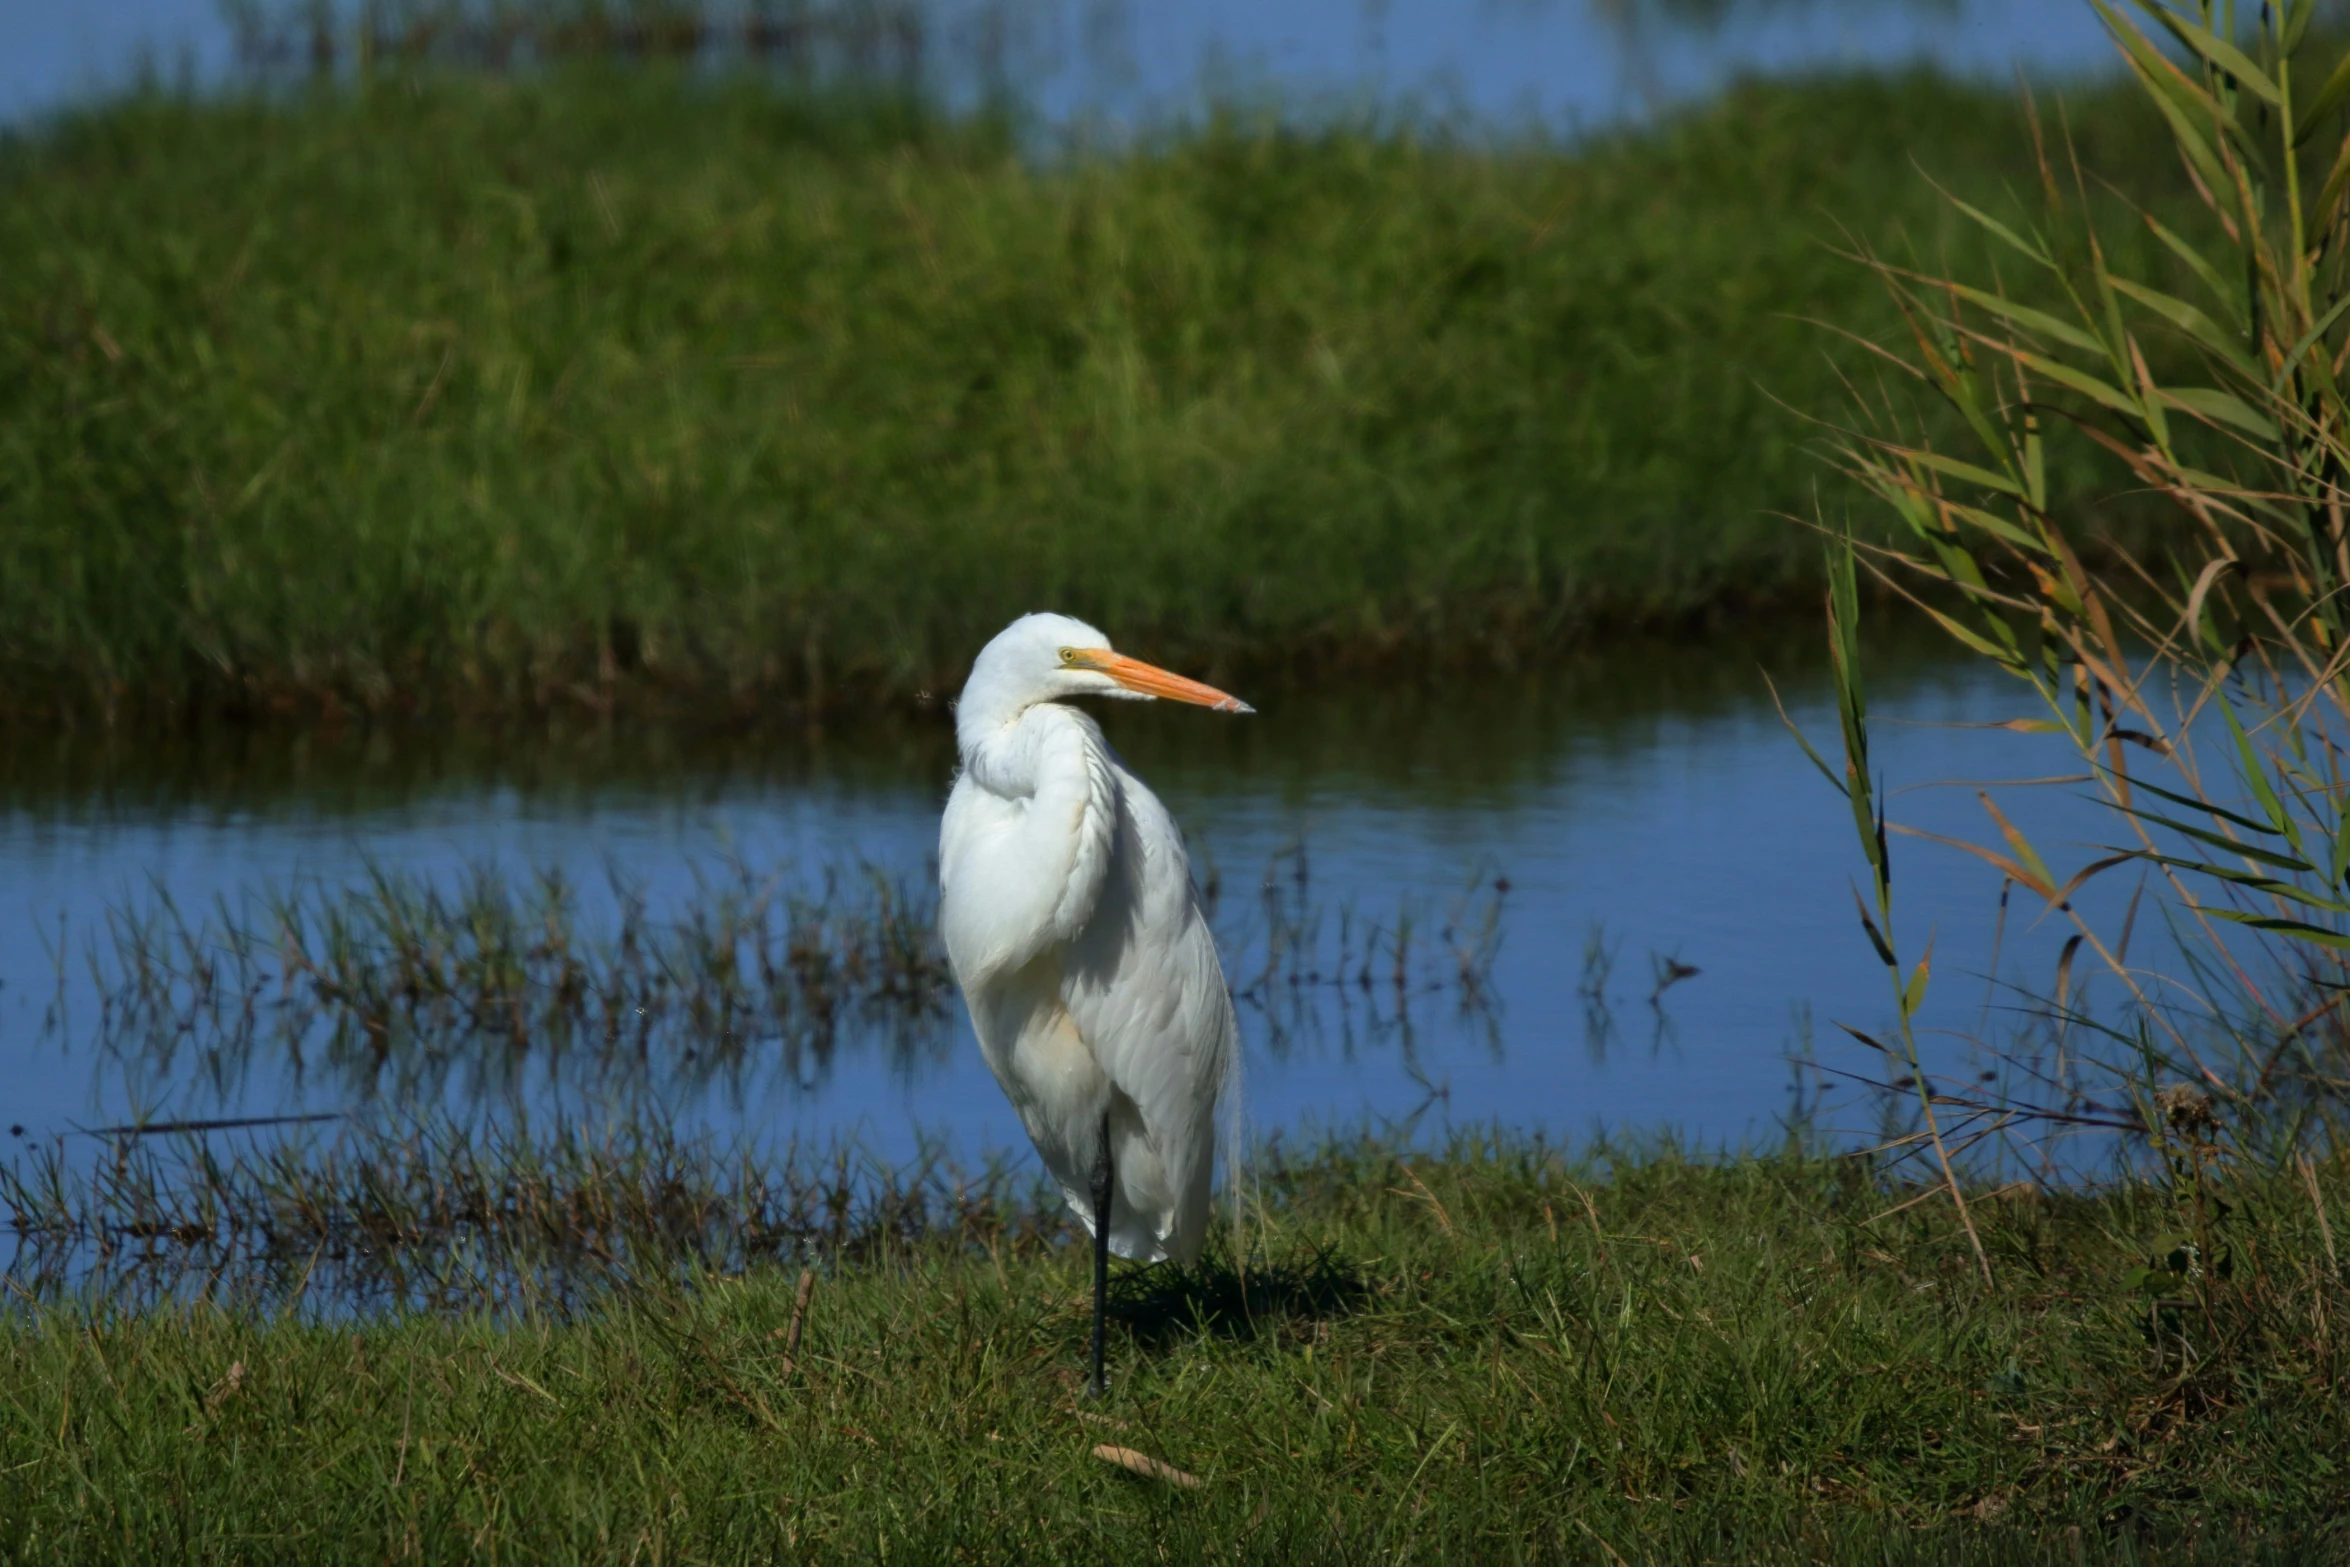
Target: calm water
{"x":1565,"y":63}
{"x":1654,"y":797}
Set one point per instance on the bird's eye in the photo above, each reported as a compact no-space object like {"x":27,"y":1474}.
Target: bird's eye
{"x":1068,"y":655}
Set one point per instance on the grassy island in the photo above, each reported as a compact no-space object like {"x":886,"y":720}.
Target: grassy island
{"x":456,"y":392}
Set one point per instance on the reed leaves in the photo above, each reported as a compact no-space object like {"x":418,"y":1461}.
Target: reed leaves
{"x":2202,"y":684}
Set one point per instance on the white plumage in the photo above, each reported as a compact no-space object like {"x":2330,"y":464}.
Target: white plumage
{"x":1067,"y":907}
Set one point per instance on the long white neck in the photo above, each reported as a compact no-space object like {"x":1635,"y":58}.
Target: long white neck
{"x":993,"y":702}
{"x":1054,"y":770}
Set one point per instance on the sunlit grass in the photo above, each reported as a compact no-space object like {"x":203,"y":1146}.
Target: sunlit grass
{"x":1490,"y":1353}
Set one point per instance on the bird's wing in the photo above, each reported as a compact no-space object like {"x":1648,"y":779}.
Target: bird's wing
{"x":1146,"y":991}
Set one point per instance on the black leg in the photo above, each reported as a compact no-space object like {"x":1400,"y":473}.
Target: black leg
{"x":1102,"y":1184}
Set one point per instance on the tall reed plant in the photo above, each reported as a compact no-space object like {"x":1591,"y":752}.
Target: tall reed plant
{"x":2203,"y":687}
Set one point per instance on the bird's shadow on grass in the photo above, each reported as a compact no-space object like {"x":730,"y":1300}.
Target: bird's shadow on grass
{"x":1219,"y":1298}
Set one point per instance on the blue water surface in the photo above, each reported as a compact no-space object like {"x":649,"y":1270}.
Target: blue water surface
{"x":1652,"y":803}
{"x":1563,"y":64}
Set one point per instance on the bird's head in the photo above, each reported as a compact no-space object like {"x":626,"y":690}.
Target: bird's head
{"x":1047,"y":658}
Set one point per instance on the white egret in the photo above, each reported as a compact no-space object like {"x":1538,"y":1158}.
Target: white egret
{"x":1065,"y":898}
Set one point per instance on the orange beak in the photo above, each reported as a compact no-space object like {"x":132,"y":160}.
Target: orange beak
{"x":1151,"y":680}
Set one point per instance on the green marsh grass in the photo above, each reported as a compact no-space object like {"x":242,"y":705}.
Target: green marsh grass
{"x":1484,"y":1352}
{"x":607,"y":386}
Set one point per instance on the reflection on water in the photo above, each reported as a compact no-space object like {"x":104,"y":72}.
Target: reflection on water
{"x":551,"y":1002}
{"x":456,"y":1217}
{"x":1609,"y":893}
{"x":402,"y":994}
{"x":396,"y":995}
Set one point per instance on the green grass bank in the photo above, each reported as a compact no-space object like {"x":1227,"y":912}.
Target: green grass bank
{"x":1486,"y":1354}
{"x":606,"y":387}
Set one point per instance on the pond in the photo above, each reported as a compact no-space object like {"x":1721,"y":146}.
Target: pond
{"x":1564,"y":64}
{"x":1609,"y":895}
{"x":1618,"y":819}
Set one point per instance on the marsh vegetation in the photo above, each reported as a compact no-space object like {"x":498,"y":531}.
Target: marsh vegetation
{"x":692,"y":418}
{"x":721,"y":394}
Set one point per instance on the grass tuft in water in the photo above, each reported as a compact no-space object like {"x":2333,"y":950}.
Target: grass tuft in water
{"x":405,"y":994}
{"x":464,"y":1215}
{"x":401,"y":988}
